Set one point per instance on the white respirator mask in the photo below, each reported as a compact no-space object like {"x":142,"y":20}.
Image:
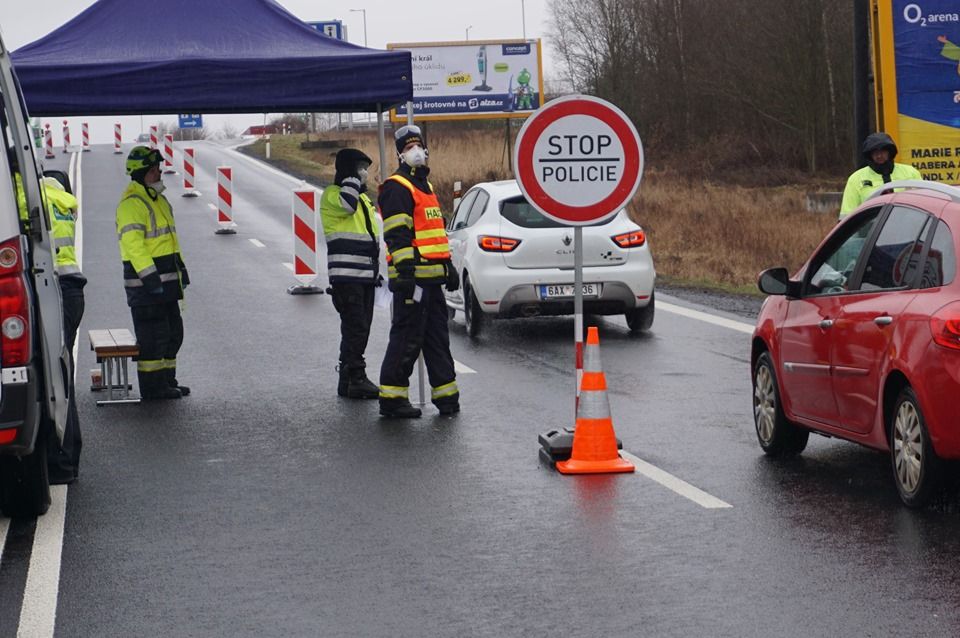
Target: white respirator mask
{"x":415,"y":157}
{"x":157,"y":186}
{"x":362,"y":175}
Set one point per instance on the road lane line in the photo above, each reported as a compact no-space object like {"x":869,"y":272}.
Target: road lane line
{"x":674,"y":484}
{"x":739,"y":326}
{"x":288,"y":265}
{"x":4,"y":526}
{"x":462,"y":368}
{"x":212,"y":206}
{"x":38,"y":616}
{"x":258,"y":243}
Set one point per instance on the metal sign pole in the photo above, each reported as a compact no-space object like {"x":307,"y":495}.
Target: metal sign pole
{"x":578,"y":306}
{"x":420,"y":370}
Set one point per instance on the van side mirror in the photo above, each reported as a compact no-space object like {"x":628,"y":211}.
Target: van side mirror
{"x":776,"y":281}
{"x":61,"y":177}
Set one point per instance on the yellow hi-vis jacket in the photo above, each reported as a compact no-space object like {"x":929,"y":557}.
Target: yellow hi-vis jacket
{"x":60,"y":207}
{"x":353,"y":249}
{"x":862,"y":183}
{"x":153,"y":269}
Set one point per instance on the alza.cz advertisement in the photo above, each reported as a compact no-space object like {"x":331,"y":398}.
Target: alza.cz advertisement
{"x":919,"y":68}
{"x":474,"y":80}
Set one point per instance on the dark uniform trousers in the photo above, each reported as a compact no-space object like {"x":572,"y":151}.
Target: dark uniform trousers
{"x":415,"y":326}
{"x":159,"y":330}
{"x":354,"y":302}
{"x":64,"y":460}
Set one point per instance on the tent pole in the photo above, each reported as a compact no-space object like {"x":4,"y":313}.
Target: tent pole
{"x":383,"y":149}
{"x":409,"y":112}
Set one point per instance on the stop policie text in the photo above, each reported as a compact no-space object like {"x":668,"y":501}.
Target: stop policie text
{"x":588,"y":165}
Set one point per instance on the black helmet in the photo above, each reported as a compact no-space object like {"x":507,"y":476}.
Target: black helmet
{"x":347,"y":160}
{"x":877,"y":142}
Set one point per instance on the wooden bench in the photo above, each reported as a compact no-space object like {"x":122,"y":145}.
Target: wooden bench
{"x":114,"y":349}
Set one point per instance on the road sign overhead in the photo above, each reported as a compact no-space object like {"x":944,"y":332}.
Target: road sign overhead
{"x":190,"y":120}
{"x":579,"y":160}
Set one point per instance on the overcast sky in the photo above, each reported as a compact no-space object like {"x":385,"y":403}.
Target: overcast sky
{"x":387,"y":21}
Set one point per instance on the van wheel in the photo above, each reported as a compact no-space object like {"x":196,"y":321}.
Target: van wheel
{"x":641,"y":319}
{"x":777,"y":435}
{"x":472,"y":313}
{"x":24,"y":481}
{"x":916,"y":467}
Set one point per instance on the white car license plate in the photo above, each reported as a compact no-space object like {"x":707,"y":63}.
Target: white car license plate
{"x":566,"y":290}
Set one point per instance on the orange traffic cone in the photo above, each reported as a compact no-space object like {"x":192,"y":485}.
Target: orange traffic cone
{"x":594,"y":442}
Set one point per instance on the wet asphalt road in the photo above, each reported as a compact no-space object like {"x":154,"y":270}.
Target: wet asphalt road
{"x":264,"y":505}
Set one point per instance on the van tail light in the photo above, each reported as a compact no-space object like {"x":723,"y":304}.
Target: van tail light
{"x":8,"y":436}
{"x":15,"y":337}
{"x":945,"y":326}
{"x":630,"y":240}
{"x":494,"y":244}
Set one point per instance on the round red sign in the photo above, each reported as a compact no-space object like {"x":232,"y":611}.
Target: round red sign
{"x":578,"y":160}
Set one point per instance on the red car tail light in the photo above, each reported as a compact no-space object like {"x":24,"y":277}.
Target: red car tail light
{"x":8,"y":436}
{"x":494,"y":244}
{"x":630,"y":240}
{"x":945,"y":326}
{"x":15,"y":345}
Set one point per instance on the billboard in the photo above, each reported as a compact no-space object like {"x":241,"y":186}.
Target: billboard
{"x":474,"y":80}
{"x":917,"y":66}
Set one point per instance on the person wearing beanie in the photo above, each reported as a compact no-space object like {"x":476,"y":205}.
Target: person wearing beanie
{"x":418,"y":267}
{"x":154,"y":275}
{"x":878,"y":151}
{"x":352,"y":230}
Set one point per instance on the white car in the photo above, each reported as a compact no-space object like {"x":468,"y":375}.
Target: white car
{"x":515,"y":262}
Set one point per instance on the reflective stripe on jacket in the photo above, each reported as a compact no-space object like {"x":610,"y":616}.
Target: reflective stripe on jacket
{"x":60,"y":205}
{"x":353,"y":248}
{"x":148,"y":247}
{"x":429,"y":249}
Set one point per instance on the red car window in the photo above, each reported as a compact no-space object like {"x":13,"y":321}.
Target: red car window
{"x":941,"y":265}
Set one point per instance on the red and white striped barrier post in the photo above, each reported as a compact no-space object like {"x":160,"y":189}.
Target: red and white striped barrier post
{"x":85,"y":136}
{"x":117,"y":138}
{"x":48,"y":142}
{"x":189,"y":160}
{"x":168,"y":153}
{"x":305,"y":214}
{"x":66,"y":137}
{"x":154,"y":139}
{"x":225,"y":201}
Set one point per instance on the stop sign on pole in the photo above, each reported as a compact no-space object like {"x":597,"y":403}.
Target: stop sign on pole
{"x":578,"y":160}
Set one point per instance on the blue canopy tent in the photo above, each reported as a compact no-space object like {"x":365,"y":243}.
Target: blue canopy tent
{"x":133,"y":57}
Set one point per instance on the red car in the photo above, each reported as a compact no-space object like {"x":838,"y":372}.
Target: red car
{"x":863,"y":343}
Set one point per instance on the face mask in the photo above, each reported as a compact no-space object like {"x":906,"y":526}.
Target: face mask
{"x":415,"y":157}
{"x":362,"y":175}
{"x":157,"y":186}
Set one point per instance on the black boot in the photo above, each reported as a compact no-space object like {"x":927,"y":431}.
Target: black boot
{"x":154,"y":386}
{"x":172,"y":382}
{"x":360,"y":387}
{"x":398,"y":409}
{"x":344,"y":382}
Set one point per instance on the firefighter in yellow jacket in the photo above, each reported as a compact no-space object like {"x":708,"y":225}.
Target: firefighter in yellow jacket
{"x":154,"y":275}
{"x":419,"y":267}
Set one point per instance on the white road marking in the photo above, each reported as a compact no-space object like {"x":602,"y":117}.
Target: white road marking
{"x":257,"y":243}
{"x":674,"y":484}
{"x":739,"y":326}
{"x":461,"y":368}
{"x":212,"y":206}
{"x":38,"y":615}
{"x":288,"y":265}
{"x":4,"y":526}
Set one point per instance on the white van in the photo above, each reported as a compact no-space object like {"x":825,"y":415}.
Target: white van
{"x":33,"y":359}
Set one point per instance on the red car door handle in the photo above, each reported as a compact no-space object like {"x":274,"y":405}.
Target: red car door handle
{"x":885,"y":320}
{"x":826,"y":323}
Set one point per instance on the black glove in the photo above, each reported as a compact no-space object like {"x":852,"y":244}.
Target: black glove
{"x":453,"y":279}
{"x":379,"y":283}
{"x":184,"y":277}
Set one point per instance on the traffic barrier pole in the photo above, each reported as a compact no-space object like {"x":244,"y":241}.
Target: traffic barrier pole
{"x":85,"y":136}
{"x":306,"y":211}
{"x":225,"y":201}
{"x":117,"y":138}
{"x":189,"y":160}
{"x":154,"y":137}
{"x":48,"y":143}
{"x":168,"y":153}
{"x":594,"y":441}
{"x":66,"y":137}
